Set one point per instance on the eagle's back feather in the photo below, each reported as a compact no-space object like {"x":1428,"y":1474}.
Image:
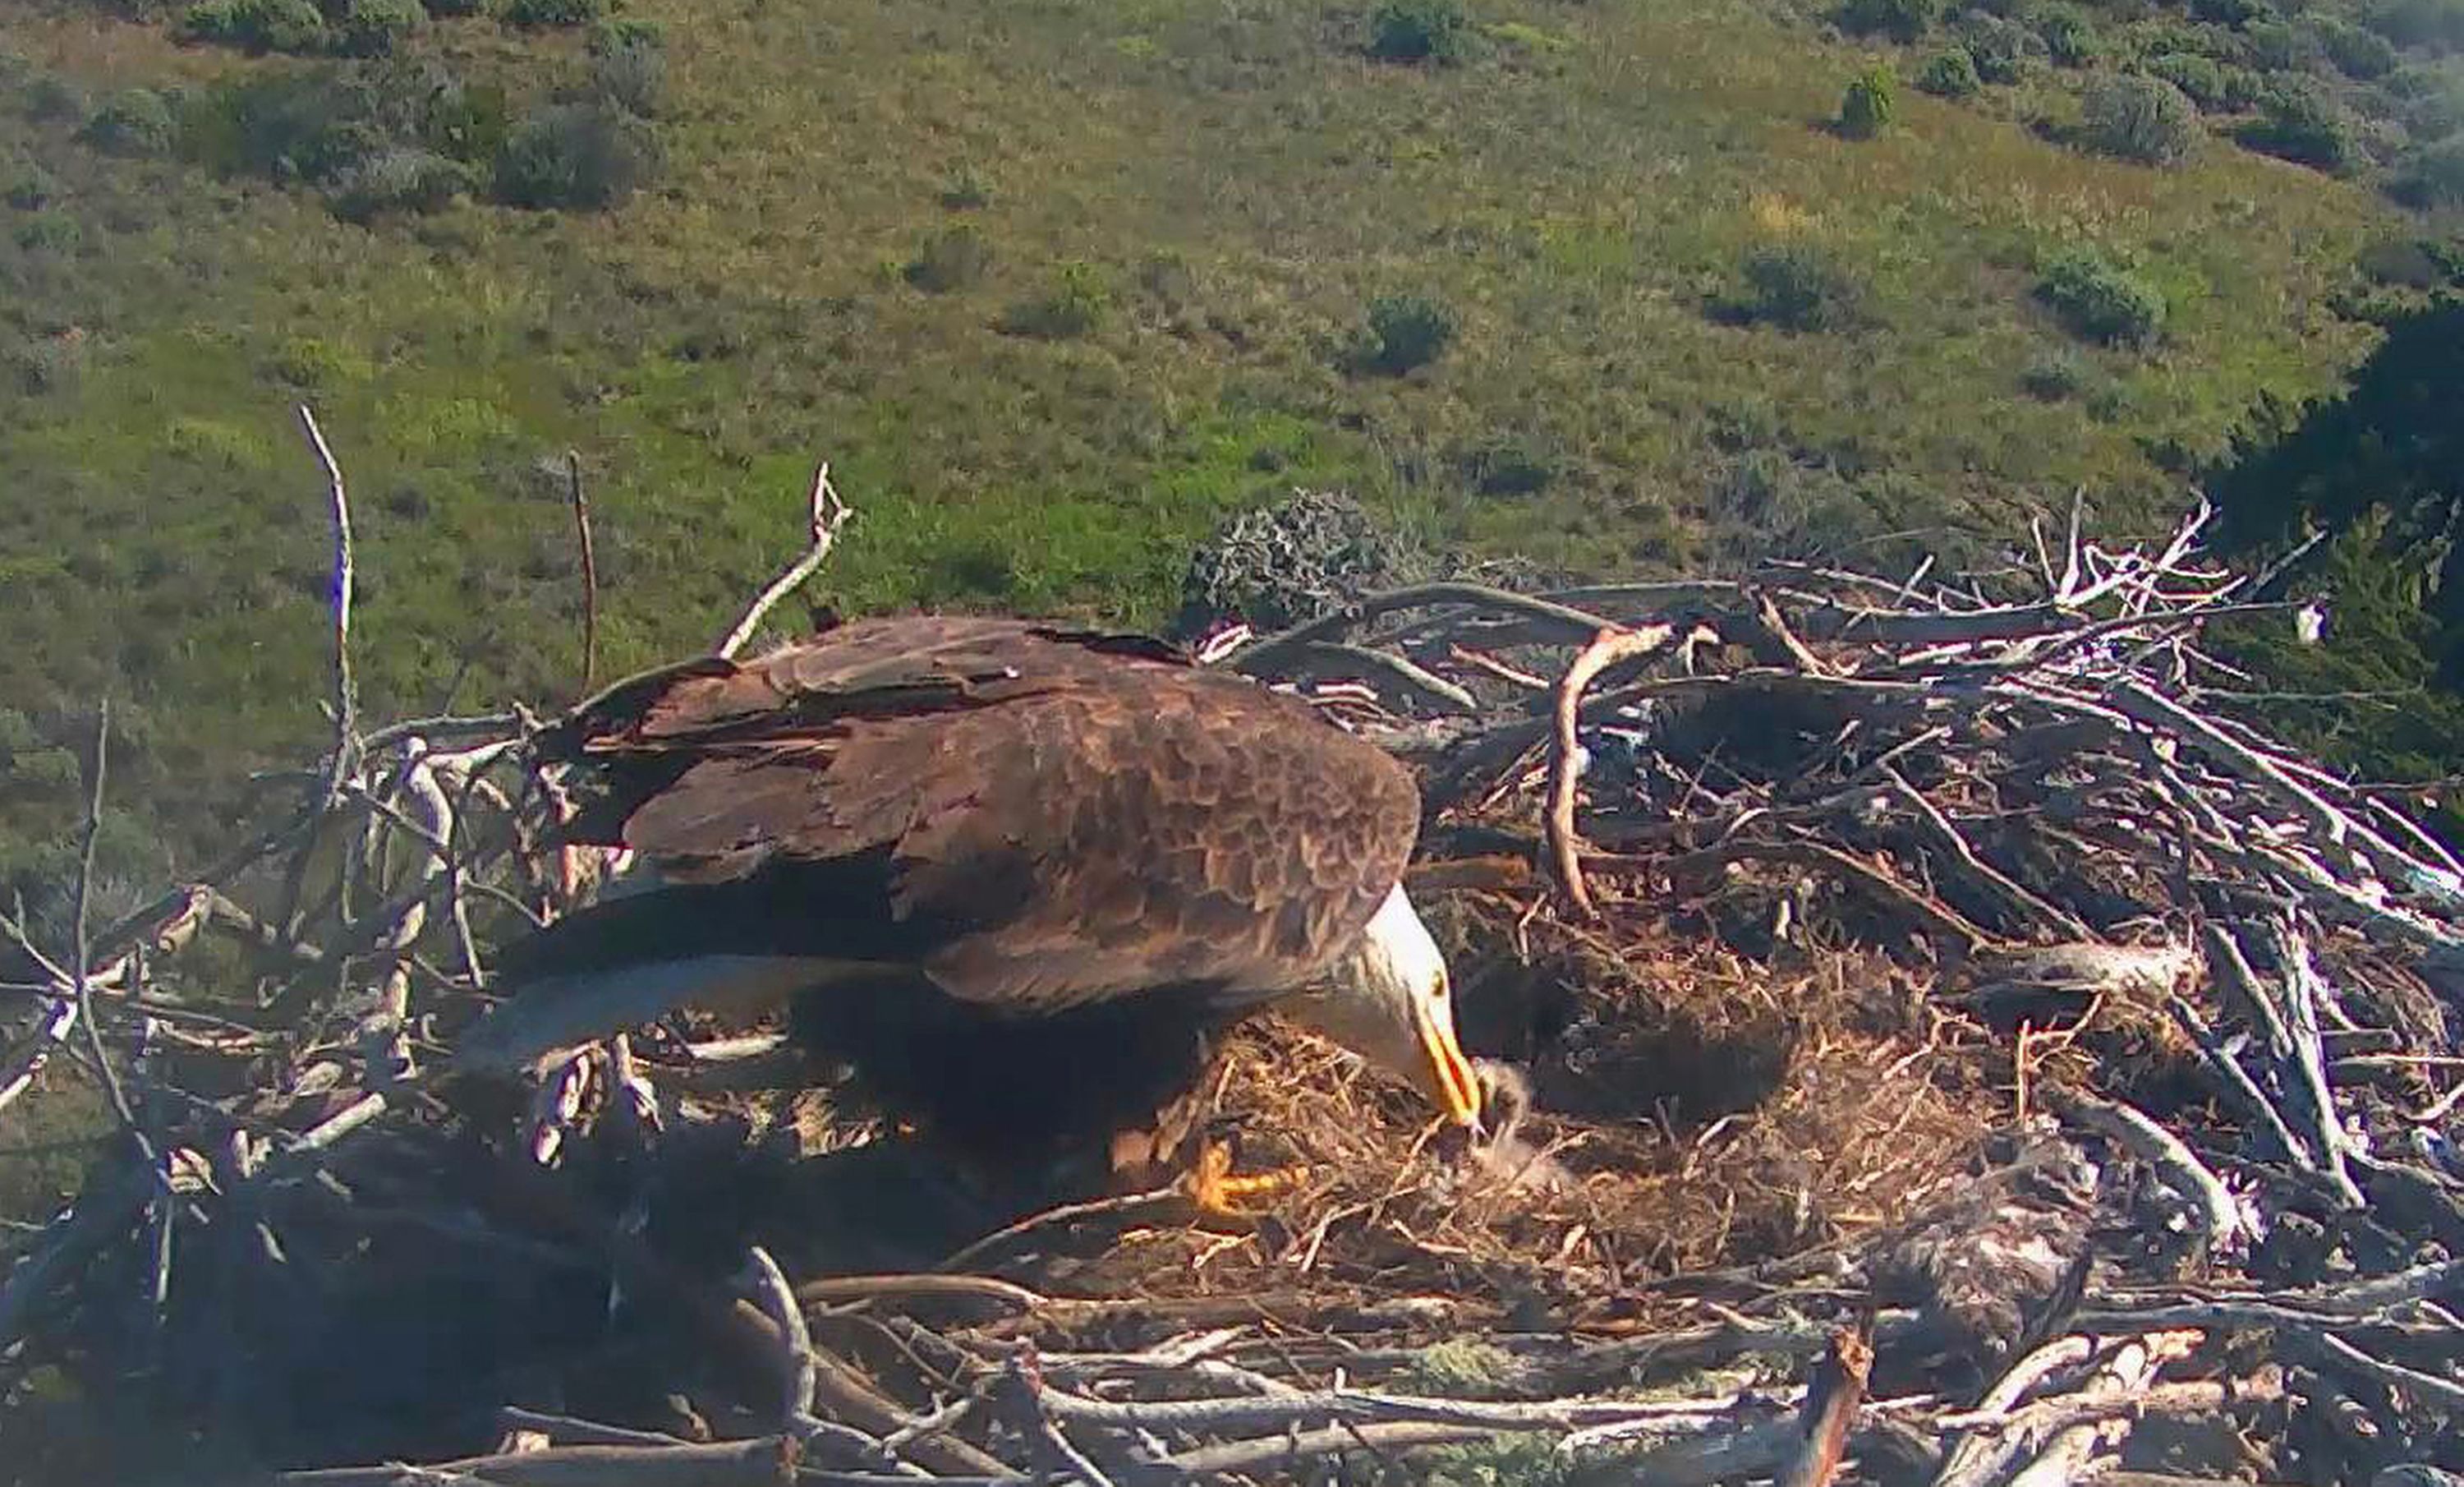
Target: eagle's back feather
{"x":1036,"y":818}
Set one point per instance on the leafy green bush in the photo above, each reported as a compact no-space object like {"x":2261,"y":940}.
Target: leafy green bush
{"x":422,"y":101}
{"x":2143,"y":118}
{"x":1951,"y":75}
{"x":2434,"y":177}
{"x":2276,"y":46}
{"x":2201,"y":78}
{"x":2071,"y":38}
{"x":288,"y":126}
{"x":2056,"y":377}
{"x":1901,"y":20}
{"x":1799,"y":286}
{"x":2418,"y":23}
{"x":1420,"y":31}
{"x":1075,"y":307}
{"x":374,"y":27}
{"x":50,"y":97}
{"x":2003,"y":49}
{"x":43,"y":365}
{"x":1866,"y":107}
{"x":1406,"y":331}
{"x":1512,"y":464}
{"x":950,"y":259}
{"x":2099,"y":300}
{"x":2357,"y":53}
{"x":533,"y":14}
{"x":629,"y":64}
{"x":49,"y":231}
{"x":455,"y":6}
{"x":29,"y":186}
{"x":2430,"y":100}
{"x":966,"y":191}
{"x":256,"y":25}
{"x":401,"y":180}
{"x":2300,"y":122}
{"x":136,"y":121}
{"x":574,"y":156}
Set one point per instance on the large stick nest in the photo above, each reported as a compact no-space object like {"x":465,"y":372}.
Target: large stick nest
{"x":1950,"y":1044}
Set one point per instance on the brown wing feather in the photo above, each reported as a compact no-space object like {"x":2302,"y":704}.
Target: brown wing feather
{"x":1084,"y":816}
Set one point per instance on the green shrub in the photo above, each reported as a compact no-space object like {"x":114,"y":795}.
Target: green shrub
{"x":1866,"y":107}
{"x":2276,"y":46}
{"x":256,"y":25}
{"x":531,"y":14}
{"x":2143,"y":118}
{"x":136,"y":121}
{"x":2004,"y":51}
{"x":374,"y":27}
{"x":29,"y":187}
{"x":49,"y":99}
{"x":2201,"y":78}
{"x":308,"y":125}
{"x":2357,"y":53}
{"x":2099,"y":300}
{"x":2071,"y":38}
{"x":2298,"y":122}
{"x":1951,"y":75}
{"x":2430,"y":100}
{"x":2056,"y":377}
{"x":1512,"y":464}
{"x":1075,"y":307}
{"x":307,"y":362}
{"x":1420,"y":31}
{"x":1406,"y":331}
{"x":49,"y":231}
{"x":401,"y":180}
{"x":574,"y":156}
{"x":629,"y":64}
{"x":455,"y":6}
{"x":42,"y":366}
{"x":2228,"y":13}
{"x":950,"y":259}
{"x":2434,"y":177}
{"x":1901,"y":20}
{"x":2418,"y":23}
{"x":424,"y":103}
{"x":1799,"y":286}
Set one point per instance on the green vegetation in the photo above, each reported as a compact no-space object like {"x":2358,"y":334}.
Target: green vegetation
{"x":1055,"y":289}
{"x":1867,"y":104}
{"x":2101,"y":301}
{"x":2301,"y":122}
{"x":1420,"y":31}
{"x":1951,"y":75}
{"x":2143,"y":118}
{"x":2070,"y":37}
{"x":1405,"y":332}
{"x":585,"y":156}
{"x":2378,"y":470}
{"x":1799,"y":286}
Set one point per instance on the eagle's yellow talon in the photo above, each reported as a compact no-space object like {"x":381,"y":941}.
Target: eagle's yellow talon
{"x":1215,"y":1191}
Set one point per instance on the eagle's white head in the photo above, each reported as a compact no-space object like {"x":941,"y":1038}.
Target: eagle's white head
{"x":1389,"y":1002}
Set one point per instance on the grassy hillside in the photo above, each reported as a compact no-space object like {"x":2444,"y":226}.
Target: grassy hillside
{"x":1177,"y":217}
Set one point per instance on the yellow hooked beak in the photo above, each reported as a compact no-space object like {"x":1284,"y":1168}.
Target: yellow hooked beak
{"x":1449,"y":1079}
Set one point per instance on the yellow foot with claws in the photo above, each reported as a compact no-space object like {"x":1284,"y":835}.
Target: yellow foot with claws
{"x":1215,"y":1191}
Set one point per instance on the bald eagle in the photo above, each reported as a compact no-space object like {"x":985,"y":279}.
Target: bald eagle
{"x":1018,"y":879}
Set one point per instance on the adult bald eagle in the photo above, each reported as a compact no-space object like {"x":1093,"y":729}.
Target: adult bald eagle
{"x":1021,"y":878}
